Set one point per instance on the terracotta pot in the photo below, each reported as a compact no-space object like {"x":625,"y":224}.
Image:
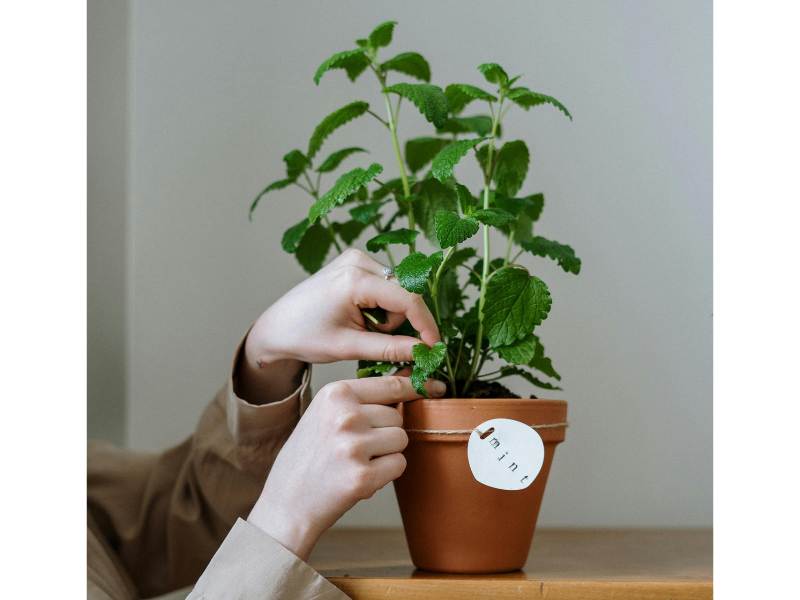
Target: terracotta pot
{"x":453,"y":523}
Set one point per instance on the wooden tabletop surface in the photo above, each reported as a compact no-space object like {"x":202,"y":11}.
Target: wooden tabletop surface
{"x":563,"y":564}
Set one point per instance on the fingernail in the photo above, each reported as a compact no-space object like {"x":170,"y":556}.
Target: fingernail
{"x":436,"y":387}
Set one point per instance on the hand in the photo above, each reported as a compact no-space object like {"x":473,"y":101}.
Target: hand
{"x":346,"y":446}
{"x":320,"y":321}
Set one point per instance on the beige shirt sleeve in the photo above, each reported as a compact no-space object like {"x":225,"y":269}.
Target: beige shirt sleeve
{"x":156,"y":519}
{"x":250,"y":564}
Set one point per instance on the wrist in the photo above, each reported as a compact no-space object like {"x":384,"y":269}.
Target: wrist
{"x":291,"y":531}
{"x":260,"y":349}
{"x":263,"y":375}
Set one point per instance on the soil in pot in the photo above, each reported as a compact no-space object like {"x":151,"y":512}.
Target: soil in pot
{"x":453,"y":523}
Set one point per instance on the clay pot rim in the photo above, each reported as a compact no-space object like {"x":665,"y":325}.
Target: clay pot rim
{"x":437,"y":419}
{"x":493,"y":401}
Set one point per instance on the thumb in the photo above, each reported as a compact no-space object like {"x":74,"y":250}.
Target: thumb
{"x":370,"y":345}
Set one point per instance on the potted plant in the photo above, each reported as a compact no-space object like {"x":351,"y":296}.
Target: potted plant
{"x":486,"y":305}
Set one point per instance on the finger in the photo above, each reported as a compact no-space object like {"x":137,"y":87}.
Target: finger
{"x":375,"y":291}
{"x":387,"y":468}
{"x":379,"y":415}
{"x":371,"y":345}
{"x":391,"y":389}
{"x":365,"y":261}
{"x":361,"y":259}
{"x":385,"y":440}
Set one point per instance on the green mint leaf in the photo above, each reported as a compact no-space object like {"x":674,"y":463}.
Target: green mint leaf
{"x":436,"y":259}
{"x":529,"y":351}
{"x":478,"y":124}
{"x":332,"y":122}
{"x":541,"y":362}
{"x":346,"y":185}
{"x":429,"y":358}
{"x":451,"y":300}
{"x":429,"y":99}
{"x":393,"y":186}
{"x":449,"y":156}
{"x":349,"y":231}
{"x":381,"y":36}
{"x":420,"y":151}
{"x":413,"y":271}
{"x":494,"y":73}
{"x":368,"y":368}
{"x":520,"y":352}
{"x":530,"y":377}
{"x":432,"y":196}
{"x":366,"y":213}
{"x":292,"y":236}
{"x":530,"y":206}
{"x":460,"y":256}
{"x":516,"y":302}
{"x":398,"y":236}
{"x":527,"y":99}
{"x":275,"y":185}
{"x":522,"y":228}
{"x":482,"y":156}
{"x":459,"y":95}
{"x":360,"y":195}
{"x":336,"y":158}
{"x":418,"y":379}
{"x":512,"y":167}
{"x":496,"y":217}
{"x":466,"y":200}
{"x":561,"y":253}
{"x":452,"y":229}
{"x":527,"y":211}
{"x":314,"y":247}
{"x":354,"y":62}
{"x":410,"y":63}
{"x":467,"y":323}
{"x":296,"y":163}
{"x":446,"y":327}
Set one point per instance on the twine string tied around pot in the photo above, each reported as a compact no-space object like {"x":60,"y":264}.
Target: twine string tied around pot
{"x":469,"y":431}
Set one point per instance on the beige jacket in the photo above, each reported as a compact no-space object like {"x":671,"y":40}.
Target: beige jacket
{"x":156,"y":520}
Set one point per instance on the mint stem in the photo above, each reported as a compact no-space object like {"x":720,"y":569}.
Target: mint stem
{"x":487,"y":179}
{"x":398,"y":154}
{"x":451,"y":376}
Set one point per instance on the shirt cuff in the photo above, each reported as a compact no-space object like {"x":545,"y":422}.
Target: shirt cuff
{"x":250,"y":564}
{"x":251,"y":423}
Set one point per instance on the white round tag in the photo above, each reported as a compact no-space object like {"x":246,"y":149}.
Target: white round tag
{"x":506,"y":455}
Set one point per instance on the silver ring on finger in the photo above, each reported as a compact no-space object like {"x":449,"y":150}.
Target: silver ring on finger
{"x":388,"y":273}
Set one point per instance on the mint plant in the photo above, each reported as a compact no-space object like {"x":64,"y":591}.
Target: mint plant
{"x":486,"y":306}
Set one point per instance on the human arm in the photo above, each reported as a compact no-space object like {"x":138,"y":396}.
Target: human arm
{"x":346,"y":447}
{"x":165,"y":514}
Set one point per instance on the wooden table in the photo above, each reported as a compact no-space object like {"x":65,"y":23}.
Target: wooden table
{"x":583,"y":564}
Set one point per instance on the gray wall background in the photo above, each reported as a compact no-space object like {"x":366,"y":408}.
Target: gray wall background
{"x":108,"y":97}
{"x":194,"y":103}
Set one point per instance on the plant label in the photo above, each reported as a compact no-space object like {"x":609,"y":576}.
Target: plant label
{"x":505,"y":454}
